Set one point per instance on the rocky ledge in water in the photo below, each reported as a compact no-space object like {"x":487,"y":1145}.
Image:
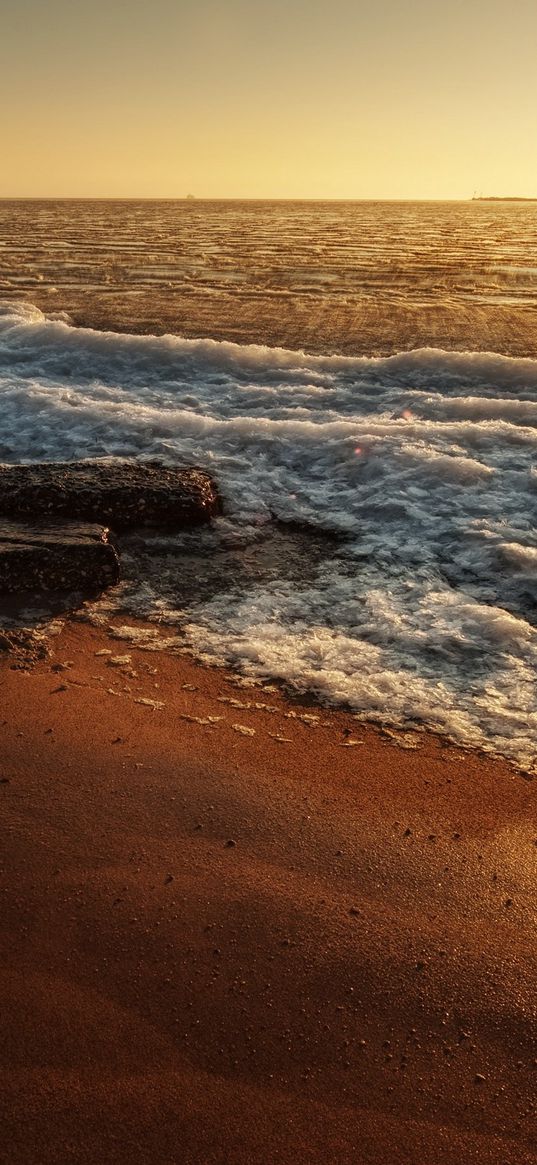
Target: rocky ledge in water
{"x":62,"y":558}
{"x":121,"y":495}
{"x":54,"y":519}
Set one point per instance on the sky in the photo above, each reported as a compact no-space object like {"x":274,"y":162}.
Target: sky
{"x":250,"y":99}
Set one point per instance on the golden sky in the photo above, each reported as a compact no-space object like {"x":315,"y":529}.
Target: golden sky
{"x":289,"y":99}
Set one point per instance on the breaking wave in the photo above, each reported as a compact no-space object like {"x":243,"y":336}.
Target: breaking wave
{"x":421,"y":466}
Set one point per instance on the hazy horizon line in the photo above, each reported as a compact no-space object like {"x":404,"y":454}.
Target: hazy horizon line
{"x":250,"y":198}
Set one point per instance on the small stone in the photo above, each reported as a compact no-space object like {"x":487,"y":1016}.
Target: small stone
{"x":479,"y":1078}
{"x":168,"y":879}
{"x":230,"y":843}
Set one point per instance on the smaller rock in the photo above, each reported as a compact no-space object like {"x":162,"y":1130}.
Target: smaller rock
{"x":71,"y":556}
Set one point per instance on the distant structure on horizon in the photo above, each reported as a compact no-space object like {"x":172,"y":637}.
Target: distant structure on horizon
{"x":501,"y":198}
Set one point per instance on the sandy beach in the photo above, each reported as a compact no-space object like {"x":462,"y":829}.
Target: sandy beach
{"x":268,"y":584}
{"x":254,"y":938}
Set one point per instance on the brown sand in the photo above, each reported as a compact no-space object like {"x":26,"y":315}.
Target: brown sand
{"x":224,"y":948}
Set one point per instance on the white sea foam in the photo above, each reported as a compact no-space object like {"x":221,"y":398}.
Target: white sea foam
{"x":424,"y":462}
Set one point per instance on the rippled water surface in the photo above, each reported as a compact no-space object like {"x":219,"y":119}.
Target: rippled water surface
{"x":358,"y":277}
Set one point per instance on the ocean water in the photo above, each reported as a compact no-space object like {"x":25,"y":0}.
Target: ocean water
{"x":378,"y":546}
{"x":335,"y":277}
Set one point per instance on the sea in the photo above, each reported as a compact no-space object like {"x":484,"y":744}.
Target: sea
{"x":360,"y":379}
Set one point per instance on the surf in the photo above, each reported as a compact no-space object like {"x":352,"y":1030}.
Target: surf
{"x":420,"y":467}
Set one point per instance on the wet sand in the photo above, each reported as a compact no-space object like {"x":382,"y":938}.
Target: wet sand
{"x":225,"y":947}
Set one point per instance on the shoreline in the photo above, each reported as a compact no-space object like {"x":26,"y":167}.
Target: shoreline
{"x":27,"y":645}
{"x":225,"y":946}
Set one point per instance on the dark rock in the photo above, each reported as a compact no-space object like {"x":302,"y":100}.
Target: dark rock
{"x":50,"y":557}
{"x":118,"y":494}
